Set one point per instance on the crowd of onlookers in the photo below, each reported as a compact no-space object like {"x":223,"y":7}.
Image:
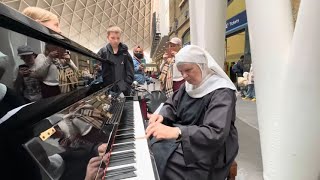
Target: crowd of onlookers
{"x":243,"y":80}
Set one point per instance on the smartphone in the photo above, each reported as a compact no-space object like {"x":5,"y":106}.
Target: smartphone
{"x":23,"y":66}
{"x":169,"y":50}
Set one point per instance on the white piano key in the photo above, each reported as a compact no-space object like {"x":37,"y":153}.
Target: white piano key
{"x":143,"y":160}
{"x":138,"y":120}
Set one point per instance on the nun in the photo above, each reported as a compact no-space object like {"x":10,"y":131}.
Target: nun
{"x":194,"y":135}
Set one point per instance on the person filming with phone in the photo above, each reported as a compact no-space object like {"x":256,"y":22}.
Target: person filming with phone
{"x":31,"y":73}
{"x":170,"y":78}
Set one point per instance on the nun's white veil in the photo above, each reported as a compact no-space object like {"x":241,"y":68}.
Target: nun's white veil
{"x":213,"y":77}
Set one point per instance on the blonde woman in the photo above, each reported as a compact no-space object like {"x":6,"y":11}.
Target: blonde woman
{"x":43,"y":17}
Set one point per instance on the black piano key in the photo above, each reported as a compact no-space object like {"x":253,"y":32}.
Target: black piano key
{"x":123,"y":176}
{"x":127,"y":131}
{"x":123,"y":147}
{"x":124,"y":136}
{"x":128,"y":114}
{"x":118,"y":171}
{"x":126,"y":126}
{"x":124,"y":121}
{"x":122,"y":159}
{"x":122,"y":162}
{"x":125,"y":154}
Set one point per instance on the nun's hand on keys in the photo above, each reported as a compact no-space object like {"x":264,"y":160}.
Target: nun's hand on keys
{"x":161,"y":131}
{"x":153,"y":118}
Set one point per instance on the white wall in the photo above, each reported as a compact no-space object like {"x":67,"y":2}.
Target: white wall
{"x":164,"y":17}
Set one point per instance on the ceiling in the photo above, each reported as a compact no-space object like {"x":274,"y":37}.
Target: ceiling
{"x":86,"y":21}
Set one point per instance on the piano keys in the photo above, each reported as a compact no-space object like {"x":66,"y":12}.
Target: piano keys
{"x":131,"y":157}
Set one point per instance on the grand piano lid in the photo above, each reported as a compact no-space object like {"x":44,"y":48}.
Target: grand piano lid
{"x":31,"y":115}
{"x":15,"y":21}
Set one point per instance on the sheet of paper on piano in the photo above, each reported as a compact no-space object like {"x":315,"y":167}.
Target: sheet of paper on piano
{"x":155,"y":112}
{"x":158,"y":109}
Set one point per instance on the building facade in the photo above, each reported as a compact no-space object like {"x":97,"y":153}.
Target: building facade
{"x":179,"y":20}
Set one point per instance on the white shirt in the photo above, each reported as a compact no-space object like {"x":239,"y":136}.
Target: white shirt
{"x":52,"y":79}
{"x":176,"y":76}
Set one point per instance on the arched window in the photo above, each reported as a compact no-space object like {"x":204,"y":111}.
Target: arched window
{"x":186,"y":38}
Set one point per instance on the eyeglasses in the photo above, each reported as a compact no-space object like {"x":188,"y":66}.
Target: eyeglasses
{"x":138,"y":52}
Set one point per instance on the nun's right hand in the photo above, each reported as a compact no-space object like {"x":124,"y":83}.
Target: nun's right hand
{"x":155,"y":118}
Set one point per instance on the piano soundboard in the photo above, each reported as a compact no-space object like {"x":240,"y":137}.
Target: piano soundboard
{"x":96,"y":119}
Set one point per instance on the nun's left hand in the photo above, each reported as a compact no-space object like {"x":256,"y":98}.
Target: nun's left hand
{"x":161,"y":131}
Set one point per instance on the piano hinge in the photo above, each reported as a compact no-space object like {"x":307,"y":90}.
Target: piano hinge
{"x":47,"y":133}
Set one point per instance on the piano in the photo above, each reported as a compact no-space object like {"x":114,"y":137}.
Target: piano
{"x":55,"y":138}
{"x":122,"y":129}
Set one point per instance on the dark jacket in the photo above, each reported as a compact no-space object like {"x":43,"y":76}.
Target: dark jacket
{"x":209,"y":140}
{"x":121,"y":70}
{"x":238,"y":68}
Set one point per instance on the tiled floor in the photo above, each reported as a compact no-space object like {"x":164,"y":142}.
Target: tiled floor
{"x":249,"y":157}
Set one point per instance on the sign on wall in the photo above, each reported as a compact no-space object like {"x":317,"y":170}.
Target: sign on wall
{"x":236,"y":22}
